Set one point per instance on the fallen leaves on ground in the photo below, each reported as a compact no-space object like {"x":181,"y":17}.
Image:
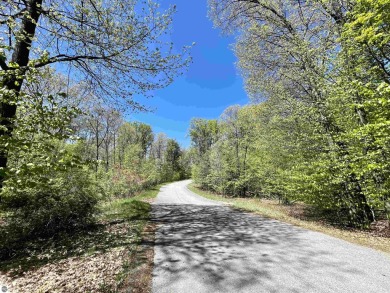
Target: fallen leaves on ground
{"x":91,"y":273}
{"x":122,"y":268}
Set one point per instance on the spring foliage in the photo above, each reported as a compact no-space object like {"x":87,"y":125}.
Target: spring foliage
{"x":63,"y":146}
{"x":65,"y":156}
{"x":318,"y":74}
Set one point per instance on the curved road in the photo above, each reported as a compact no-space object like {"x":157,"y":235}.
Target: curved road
{"x":205,"y":246}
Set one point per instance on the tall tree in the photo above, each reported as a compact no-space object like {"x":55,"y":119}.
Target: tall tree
{"x":115,"y":45}
{"x":144,"y":136}
{"x":171,"y":168}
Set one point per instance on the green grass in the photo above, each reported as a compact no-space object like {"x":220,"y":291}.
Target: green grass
{"x":272,"y":209}
{"x":209,"y":194}
{"x":133,"y":208}
{"x":136,"y":211}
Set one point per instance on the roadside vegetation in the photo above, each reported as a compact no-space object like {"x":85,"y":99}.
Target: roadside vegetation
{"x":115,"y":254}
{"x":75,"y":171}
{"x":318,"y":128}
{"x":302,"y":215}
{"x":74,"y":168}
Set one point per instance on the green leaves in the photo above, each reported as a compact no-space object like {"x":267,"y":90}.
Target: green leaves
{"x":321,"y":132}
{"x":47,"y":187}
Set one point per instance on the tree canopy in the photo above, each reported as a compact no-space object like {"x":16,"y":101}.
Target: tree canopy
{"x":319,"y":72}
{"x":119,"y":48}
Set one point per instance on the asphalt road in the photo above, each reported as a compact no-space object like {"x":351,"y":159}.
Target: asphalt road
{"x":205,"y":246}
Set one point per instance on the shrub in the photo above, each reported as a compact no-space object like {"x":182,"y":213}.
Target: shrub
{"x":66,"y":202}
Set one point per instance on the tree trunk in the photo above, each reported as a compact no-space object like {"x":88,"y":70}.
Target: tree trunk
{"x":114,"y":162}
{"x":365,"y":213}
{"x":14,"y":83}
{"x":244,"y":171}
{"x":97,"y":144}
{"x":107,"y":156}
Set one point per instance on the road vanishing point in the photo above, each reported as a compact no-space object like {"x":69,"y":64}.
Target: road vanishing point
{"x":205,"y":246}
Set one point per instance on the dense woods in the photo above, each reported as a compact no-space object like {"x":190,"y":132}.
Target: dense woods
{"x":69,"y":74}
{"x":78,"y":174}
{"x":318,"y":129}
{"x":71,"y":153}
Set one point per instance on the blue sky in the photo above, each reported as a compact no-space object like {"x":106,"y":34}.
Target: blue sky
{"x":211,"y":83}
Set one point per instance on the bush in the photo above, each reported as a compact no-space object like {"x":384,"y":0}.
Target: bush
{"x":121,"y":183}
{"x":66,"y":202}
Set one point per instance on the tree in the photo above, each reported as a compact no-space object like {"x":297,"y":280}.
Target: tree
{"x":144,"y":136}
{"x":159,"y":146}
{"x":115,"y":45}
{"x":203,"y":133}
{"x":171,"y":168}
{"x":126,"y":136}
{"x":322,"y":66}
{"x":112,"y":121}
{"x":158,"y":150}
{"x":49,"y":82}
{"x":48,"y":188}
{"x":364,"y":86}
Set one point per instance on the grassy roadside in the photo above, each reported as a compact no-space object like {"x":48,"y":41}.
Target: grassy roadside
{"x":294,"y":215}
{"x":113,"y":256}
{"x":137,"y":267}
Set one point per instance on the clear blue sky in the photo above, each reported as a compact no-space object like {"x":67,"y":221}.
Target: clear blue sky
{"x":211,"y":83}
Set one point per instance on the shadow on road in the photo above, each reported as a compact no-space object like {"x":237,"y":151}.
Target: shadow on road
{"x":219,"y":249}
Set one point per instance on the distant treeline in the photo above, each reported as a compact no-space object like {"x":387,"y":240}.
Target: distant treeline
{"x":71,"y":151}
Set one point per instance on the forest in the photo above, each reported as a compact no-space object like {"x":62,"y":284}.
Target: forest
{"x":73,"y":151}
{"x":77,"y":173}
{"x":67,"y":145}
{"x":317,"y":130}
